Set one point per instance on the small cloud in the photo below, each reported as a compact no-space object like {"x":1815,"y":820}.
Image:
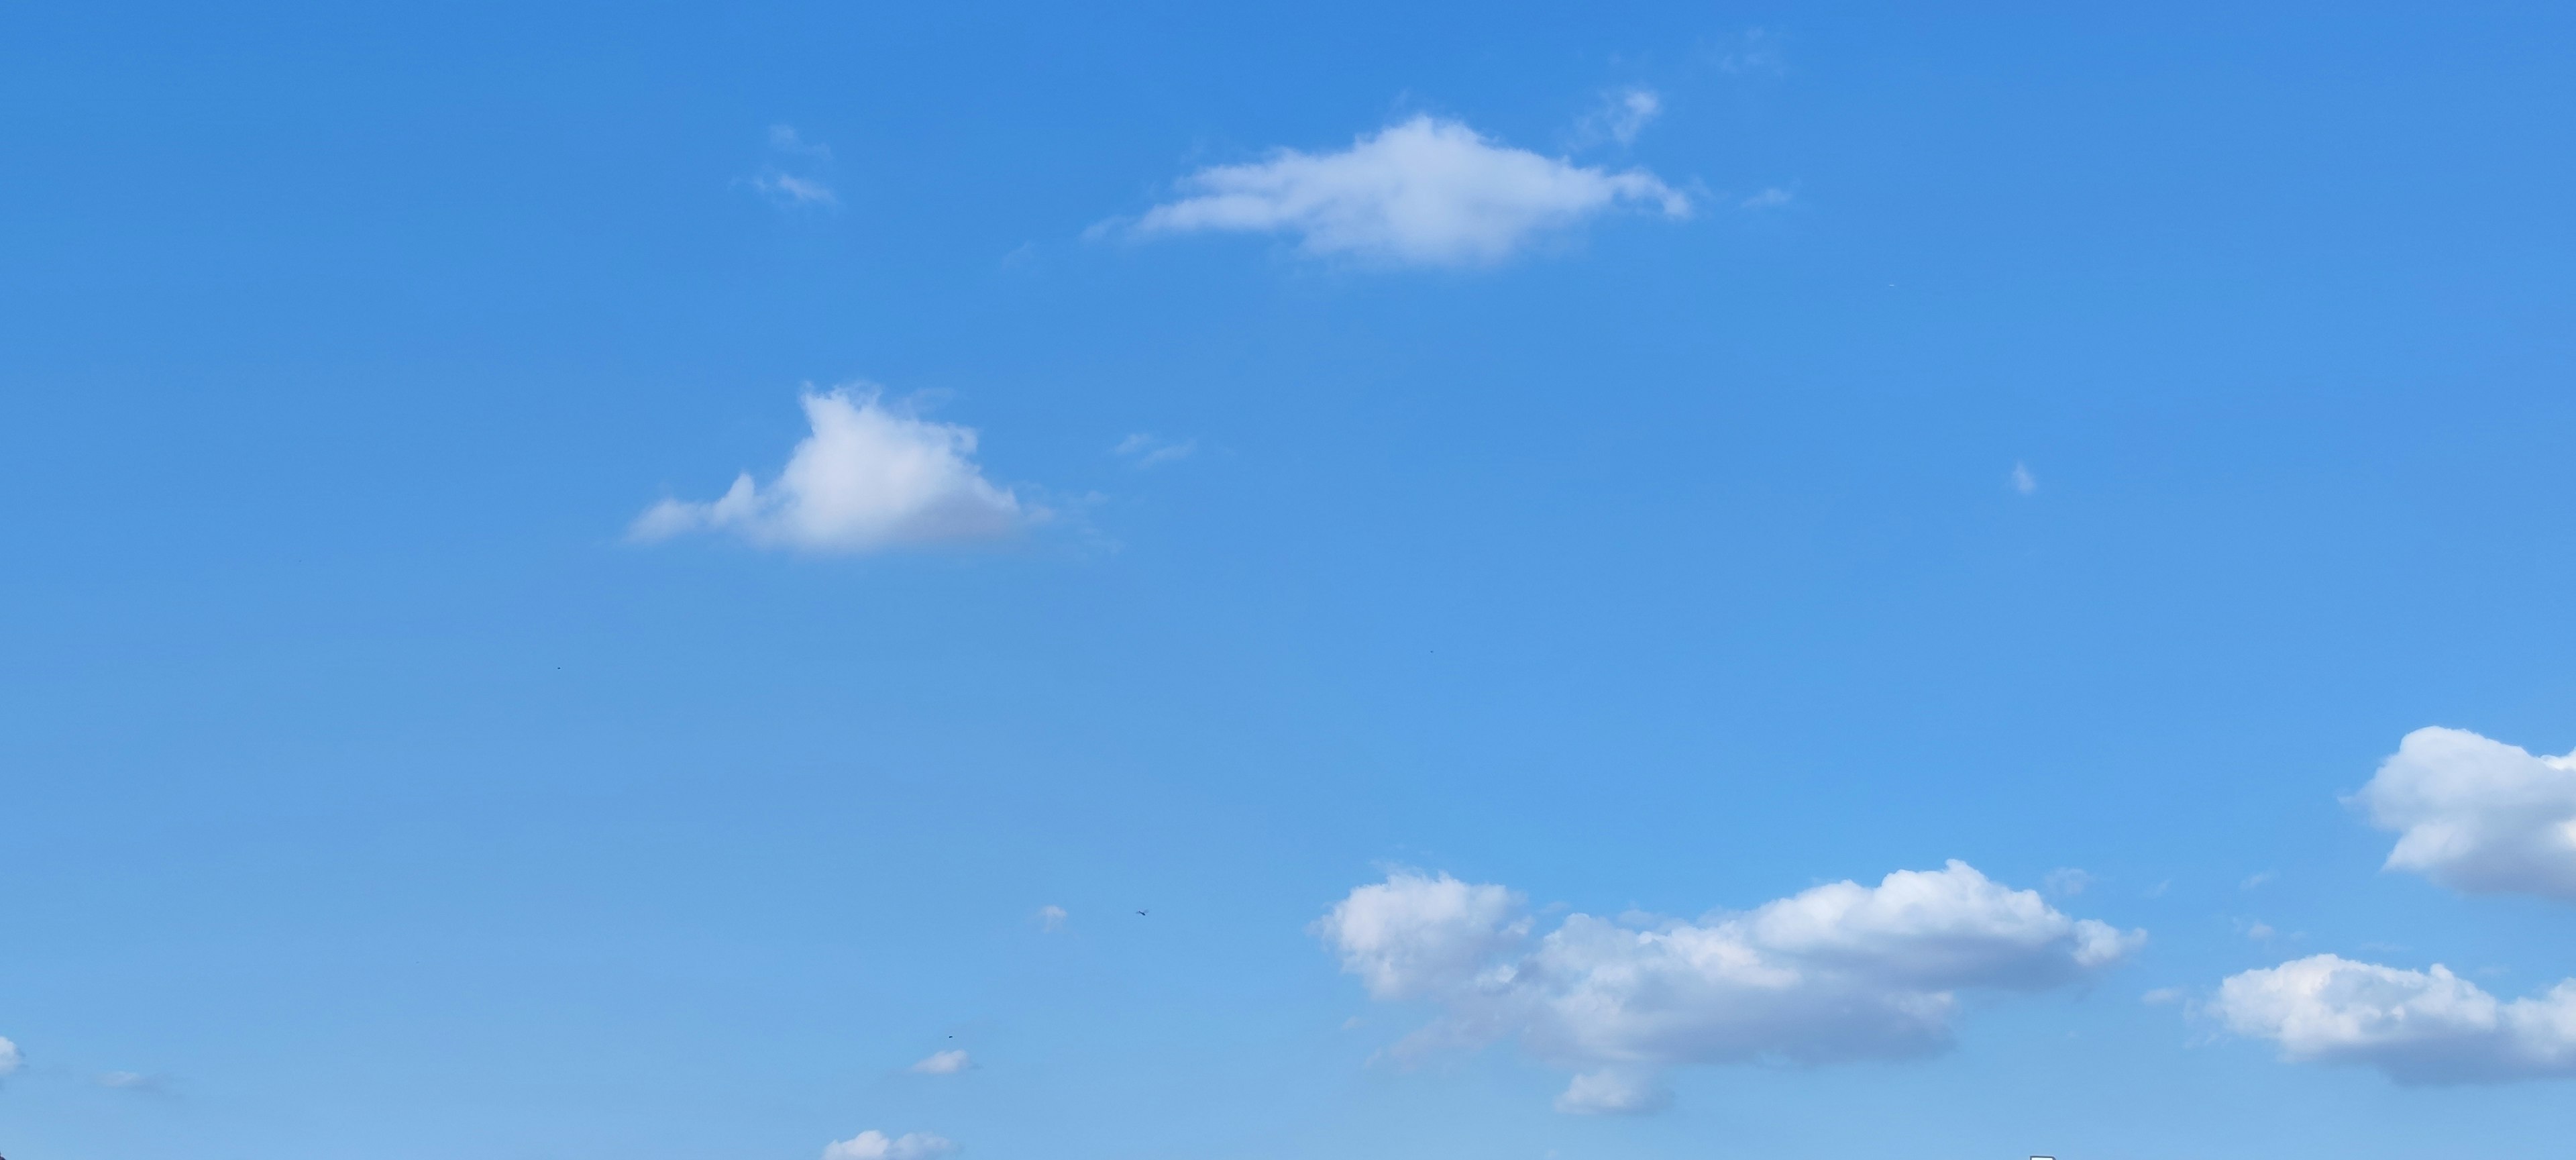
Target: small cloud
{"x":1051,"y":918}
{"x":1353,"y":1023}
{"x":2161,"y":996}
{"x":1755,"y":54}
{"x":1771,"y":197}
{"x":2259,"y":931}
{"x":874,"y":1145}
{"x":785,"y":139}
{"x":1613,"y":1093}
{"x":1622,"y":116}
{"x":869,"y":477}
{"x":789,"y":189}
{"x":1145,"y":450}
{"x":2065,"y":881}
{"x":944,"y":1063}
{"x":2022,"y":480}
{"x":133,"y":1081}
{"x":2157,"y":890}
{"x":1424,"y":192}
{"x":792,"y":182}
{"x":10,"y":1058}
{"x":2255,"y":880}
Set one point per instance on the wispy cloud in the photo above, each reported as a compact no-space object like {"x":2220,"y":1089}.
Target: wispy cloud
{"x":1839,"y":972}
{"x":875,"y":1145}
{"x":1052,"y":918}
{"x":1425,"y":192}
{"x":792,"y":178}
{"x":2023,"y":481}
{"x":869,"y":477}
{"x":1755,"y":53}
{"x":10,"y":1058}
{"x":1623,"y":115}
{"x":943,"y":1063}
{"x":1145,"y":450}
{"x":1771,"y":197}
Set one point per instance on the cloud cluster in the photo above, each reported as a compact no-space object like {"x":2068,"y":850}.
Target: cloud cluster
{"x":2478,"y":815}
{"x":875,"y":1145}
{"x":1839,"y":972}
{"x":2417,"y":1026}
{"x":868,"y":478}
{"x":1425,"y":191}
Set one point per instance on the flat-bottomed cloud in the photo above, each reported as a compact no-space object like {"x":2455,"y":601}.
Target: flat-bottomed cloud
{"x":2478,"y":815}
{"x":1426,"y":191}
{"x":867,"y":478}
{"x":2419,"y":1027}
{"x":1839,"y":972}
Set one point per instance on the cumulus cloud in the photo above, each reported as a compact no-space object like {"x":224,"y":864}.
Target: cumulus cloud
{"x":2478,"y":815}
{"x":10,"y":1059}
{"x":874,"y":1145}
{"x":944,"y":1063}
{"x":1426,"y":191}
{"x":1839,"y":972}
{"x":2419,"y":1027}
{"x":868,"y":478}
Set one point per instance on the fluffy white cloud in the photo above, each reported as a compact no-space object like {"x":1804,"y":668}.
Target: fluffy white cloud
{"x":1410,"y":935}
{"x":1838,"y":972}
{"x":874,"y":1145}
{"x":944,"y":1063}
{"x":2417,"y":1026}
{"x":867,"y":478}
{"x":1426,"y":191}
{"x":2478,"y":815}
{"x":10,"y":1060}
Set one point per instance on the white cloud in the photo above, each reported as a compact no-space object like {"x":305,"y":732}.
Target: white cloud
{"x":1145,"y":450}
{"x":10,"y":1059}
{"x":1838,"y":972}
{"x":2162,"y":995}
{"x":867,"y":478}
{"x":1052,"y":918}
{"x":790,"y":188}
{"x":2417,"y":1026}
{"x":785,"y":139}
{"x":1425,"y":192}
{"x":1756,"y":53}
{"x":794,"y":190}
{"x":1411,"y":935}
{"x":2478,"y":815}
{"x":1623,"y":115}
{"x":2065,"y":881}
{"x":874,"y":1145}
{"x":944,"y":1063}
{"x":2022,"y":480}
{"x":1614,"y":1092}
{"x":1771,"y":197}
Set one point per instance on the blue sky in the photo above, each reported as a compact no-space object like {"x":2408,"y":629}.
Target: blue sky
{"x":596,"y":581}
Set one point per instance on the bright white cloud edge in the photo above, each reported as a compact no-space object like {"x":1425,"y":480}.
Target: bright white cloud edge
{"x":2418,"y":1027}
{"x":867,"y":478}
{"x":2478,"y":815}
{"x":1425,"y":191}
{"x":1839,"y":972}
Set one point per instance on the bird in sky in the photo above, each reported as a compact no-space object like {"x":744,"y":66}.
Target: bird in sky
{"x":1140,"y":914}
